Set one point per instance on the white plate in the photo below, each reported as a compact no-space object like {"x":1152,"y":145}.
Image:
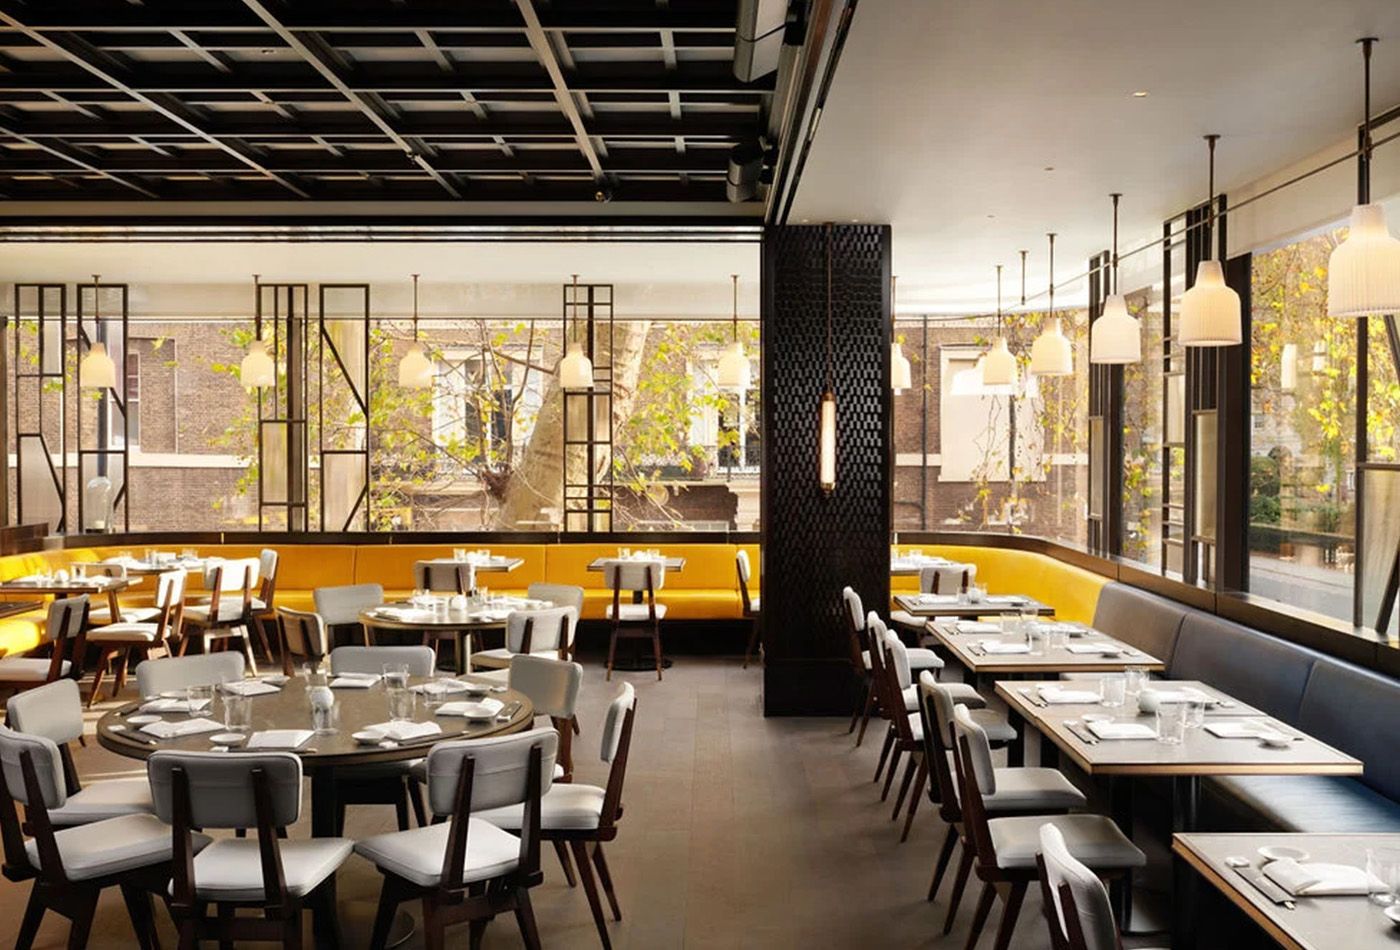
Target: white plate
{"x":1279,"y":852}
{"x":142,"y":719}
{"x":1393,"y":912}
{"x":367,"y":736}
{"x":228,"y":738}
{"x":479,"y":712}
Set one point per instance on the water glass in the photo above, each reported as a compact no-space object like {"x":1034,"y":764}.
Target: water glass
{"x":395,"y":676}
{"x":200,"y":699}
{"x":1195,"y":711}
{"x":325,"y":718}
{"x":1136,"y":678}
{"x":1384,"y":865}
{"x":314,"y":677}
{"x":1112,"y":690}
{"x":238,"y":712}
{"x":1035,"y":637}
{"x":401,"y":703}
{"x":976,"y":593}
{"x":1171,"y":723}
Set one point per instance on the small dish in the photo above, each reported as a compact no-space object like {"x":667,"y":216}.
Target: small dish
{"x":480,"y":712}
{"x":1281,"y":852}
{"x":477,"y":690}
{"x":228,"y":738}
{"x":1275,"y":741}
{"x":1097,"y":717}
{"x":274,"y":679}
{"x":1393,"y":912}
{"x":367,"y":736}
{"x":143,"y":718}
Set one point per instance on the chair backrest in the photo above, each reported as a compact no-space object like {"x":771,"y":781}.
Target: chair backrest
{"x":972,"y":761}
{"x":221,"y":787}
{"x":552,"y":685}
{"x":630,"y":575}
{"x":616,"y":747}
{"x":268,"y":562}
{"x":855,"y":629}
{"x":622,"y":704}
{"x":418,"y":659}
{"x":855,"y":611}
{"x":499,"y":771}
{"x":66,"y":618}
{"x":535,"y":631}
{"x":154,"y":677}
{"x":936,"y":708}
{"x":457,"y":577}
{"x":1077,"y":907}
{"x":946,"y":578}
{"x":103,"y":569}
{"x":54,"y":711}
{"x":48,"y":766}
{"x":899,"y":657}
{"x":879,"y":670}
{"x":170,"y":589}
{"x":233,"y":575}
{"x":338,"y":605}
{"x":303,"y":633}
{"x":560,"y":595}
{"x":745,"y":572}
{"x":980,"y":760}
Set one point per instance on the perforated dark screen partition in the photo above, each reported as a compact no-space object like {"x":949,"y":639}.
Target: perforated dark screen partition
{"x":814,"y":543}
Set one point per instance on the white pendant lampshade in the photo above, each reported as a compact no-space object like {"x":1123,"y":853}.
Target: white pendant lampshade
{"x":826,"y":449}
{"x":999,"y":367}
{"x":1210,"y":311}
{"x":1288,"y":368}
{"x":575,"y":369}
{"x":97,"y":371}
{"x":733,"y":371}
{"x":1363,"y":277}
{"x":416,"y":370}
{"x":901,"y":373}
{"x":1115,"y":337}
{"x":257,"y":369}
{"x":1051,"y":353}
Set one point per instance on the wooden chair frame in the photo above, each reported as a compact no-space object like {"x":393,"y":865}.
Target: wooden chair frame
{"x":237,"y":628}
{"x":168,"y":623}
{"x":71,"y":648}
{"x":858,"y":643}
{"x":1058,"y":941}
{"x":750,"y":614}
{"x":650,"y":628}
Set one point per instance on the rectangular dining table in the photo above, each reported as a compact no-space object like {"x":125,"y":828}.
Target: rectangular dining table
{"x":957,"y":605}
{"x":490,"y":565}
{"x":913,"y":567}
{"x":971,"y":644}
{"x":92,"y":586}
{"x":598,"y":564}
{"x":1314,"y":923}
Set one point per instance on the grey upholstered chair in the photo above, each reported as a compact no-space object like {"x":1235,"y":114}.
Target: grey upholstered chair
{"x":341,"y":606}
{"x":143,"y":637}
{"x":101,"y":614}
{"x":946,"y":578}
{"x":269,"y":872}
{"x":585,"y":816}
{"x":435,"y":865}
{"x":546,"y":632}
{"x":744,"y":570}
{"x":303,"y":634}
{"x":229,"y":613}
{"x":552,"y":686}
{"x":920,"y":658}
{"x":418,"y":659}
{"x":455,"y":577}
{"x":71,"y":866}
{"x":55,"y":712}
{"x":65,"y":629}
{"x":1076,"y":904}
{"x":629,"y":620}
{"x":154,"y":677}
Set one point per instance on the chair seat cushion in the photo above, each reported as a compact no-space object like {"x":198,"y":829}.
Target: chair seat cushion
{"x":19,"y":669}
{"x":124,"y":632}
{"x":499,"y":657}
{"x":922,"y":658}
{"x":633,"y":613}
{"x":107,"y":799}
{"x":102,"y":616}
{"x":1026,"y":789}
{"x":963,"y":693}
{"x":230,"y":869}
{"x":1093,"y":839}
{"x":565,"y":807}
{"x":418,"y":768}
{"x":416,"y":855}
{"x":111,"y":846}
{"x":230,"y":611}
{"x":994,"y":724}
{"x":1309,"y":803}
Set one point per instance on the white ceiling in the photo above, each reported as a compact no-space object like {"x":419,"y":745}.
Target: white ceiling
{"x":943,"y":115}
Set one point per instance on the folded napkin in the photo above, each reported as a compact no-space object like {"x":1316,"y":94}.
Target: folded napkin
{"x":279,"y":739}
{"x":249,"y":688}
{"x":1094,"y":649}
{"x":184,"y":727}
{"x":1243,"y":729}
{"x":1061,"y":626}
{"x":1185,"y":694}
{"x":1121,"y":730}
{"x":174,"y":706}
{"x":936,"y":599}
{"x":354,"y":681}
{"x":442,"y":686}
{"x":1321,"y":880}
{"x":976,"y":626}
{"x":404,"y":730}
{"x":999,"y":646}
{"x":484,"y":709}
{"x":1056,"y":695}
{"x":1005,"y":599}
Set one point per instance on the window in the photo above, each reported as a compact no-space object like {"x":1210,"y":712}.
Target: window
{"x":1143,"y":437}
{"x":133,"y":400}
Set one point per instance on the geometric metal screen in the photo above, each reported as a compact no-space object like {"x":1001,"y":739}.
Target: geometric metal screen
{"x":280,"y":320}
{"x":342,"y":407}
{"x":41,"y":326}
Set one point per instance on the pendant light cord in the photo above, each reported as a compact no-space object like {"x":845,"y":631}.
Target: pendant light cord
{"x":735,"y":278}
{"x":415,"y":308}
{"x":1211,"y":139}
{"x":1051,"y":235}
{"x":998,"y":300}
{"x":97,"y":300}
{"x":1364,"y":182}
{"x":1115,"y":196}
{"x":1023,"y":277}
{"x":828,"y":307}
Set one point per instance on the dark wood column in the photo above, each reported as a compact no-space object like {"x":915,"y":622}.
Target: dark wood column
{"x":815,"y":543}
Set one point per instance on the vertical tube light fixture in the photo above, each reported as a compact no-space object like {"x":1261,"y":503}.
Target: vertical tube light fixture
{"x":1052,"y":354}
{"x":826,"y":438}
{"x":1115,"y":337}
{"x":415,"y":369}
{"x":1210,"y":310}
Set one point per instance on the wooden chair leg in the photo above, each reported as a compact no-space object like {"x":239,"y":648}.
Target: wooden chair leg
{"x":247,"y":643}
{"x":325,"y":916}
{"x":656,"y":648}
{"x":1009,"y":915}
{"x":612,"y":651}
{"x":562,"y":850}
{"x":890,"y":772}
{"x":590,"y":888}
{"x":869,"y":710}
{"x":920,"y":779}
{"x":884,"y":753}
{"x":123,"y":662}
{"x":384,"y":916}
{"x":910,"y":768}
{"x":525,"y":918}
{"x":979,"y":917}
{"x":415,"y":798}
{"x":138,"y":908}
{"x":605,"y":878}
{"x":945,"y":854}
{"x":401,"y":807}
{"x":753,"y":645}
{"x":33,"y":916}
{"x":103,"y":659}
{"x":226,"y":926}
{"x":84,"y":906}
{"x":959,"y":883}
{"x":263,"y":642}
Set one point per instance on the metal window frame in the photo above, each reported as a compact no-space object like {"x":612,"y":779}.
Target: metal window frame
{"x":104,"y":451}
{"x":361,"y":507}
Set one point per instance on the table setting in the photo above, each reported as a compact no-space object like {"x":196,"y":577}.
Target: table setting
{"x":154,"y":561}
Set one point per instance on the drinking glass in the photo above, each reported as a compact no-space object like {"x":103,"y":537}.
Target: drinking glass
{"x":1035,"y":637}
{"x":238,"y":712}
{"x":1384,"y":865}
{"x":325,"y":718}
{"x":314,"y":677}
{"x":976,"y":593}
{"x":80,"y":570}
{"x":1136,"y":679}
{"x":1195,"y":711}
{"x":395,"y":676}
{"x":1112,"y":690}
{"x":200,"y":699}
{"x":1171,"y":723}
{"x":400,"y":703}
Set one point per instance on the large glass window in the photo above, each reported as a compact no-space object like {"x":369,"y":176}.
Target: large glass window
{"x":1143,"y":437}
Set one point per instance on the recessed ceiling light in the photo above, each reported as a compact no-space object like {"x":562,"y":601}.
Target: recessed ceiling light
{"x":266,"y":52}
{"x":991,"y":216}
{"x":1049,"y":168}
{"x":1141,"y":94}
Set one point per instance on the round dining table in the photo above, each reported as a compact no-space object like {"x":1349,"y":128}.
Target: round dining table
{"x":440,"y":619}
{"x":323,"y":756}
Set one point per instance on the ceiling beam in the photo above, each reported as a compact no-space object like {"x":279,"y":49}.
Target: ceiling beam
{"x":544,"y":52}
{"x":71,"y":160}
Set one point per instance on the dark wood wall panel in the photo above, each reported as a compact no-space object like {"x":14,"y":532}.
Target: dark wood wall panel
{"x":814,"y":543}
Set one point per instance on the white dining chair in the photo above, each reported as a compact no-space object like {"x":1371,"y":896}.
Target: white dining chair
{"x":302,"y":634}
{"x":629,"y":620}
{"x":1077,"y":907}
{"x":228,"y":615}
{"x":560,"y":595}
{"x":546,"y":632}
{"x":946,"y":578}
{"x":154,"y":677}
{"x":101,"y":614}
{"x":748,"y":605}
{"x":457,"y":577}
{"x":920,"y":658}
{"x":55,"y":712}
{"x":267,"y":872}
{"x":71,"y":866}
{"x":341,"y":606}
{"x":418,"y":659}
{"x":467,"y":869}
{"x":65,"y":633}
{"x":146,"y":639}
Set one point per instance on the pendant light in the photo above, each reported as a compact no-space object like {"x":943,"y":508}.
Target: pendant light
{"x":96,"y":370}
{"x":999,"y":368}
{"x":415,"y":369}
{"x":826,"y":431}
{"x":575,"y":369}
{"x":1052,"y":354}
{"x":901,"y":373}
{"x":1115,"y":337}
{"x":257,"y":371}
{"x":1210,"y":310}
{"x":1364,"y":270}
{"x":734,"y":372}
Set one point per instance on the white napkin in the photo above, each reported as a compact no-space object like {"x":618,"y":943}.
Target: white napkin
{"x":442,"y":686}
{"x":1243,"y":729}
{"x":1320,"y":880}
{"x":174,"y":706}
{"x":977,"y":626}
{"x":934,"y":599}
{"x":1005,"y":599}
{"x":279,"y":739}
{"x":997,"y":646}
{"x":1094,"y":649}
{"x":354,"y":681}
{"x":250,"y":688}
{"x":1121,"y":730}
{"x":1059,"y":694}
{"x":484,"y":709}
{"x":184,"y":727}
{"x":1061,"y":626}
{"x":1186,"y":694}
{"x":402,"y":731}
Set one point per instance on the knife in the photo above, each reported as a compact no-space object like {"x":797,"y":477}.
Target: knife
{"x":1265,"y":886}
{"x":1083,"y":735}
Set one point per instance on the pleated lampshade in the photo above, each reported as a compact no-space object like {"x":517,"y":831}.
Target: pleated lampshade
{"x":1210,"y":310}
{"x":1364,"y":271}
{"x":1115,"y":337}
{"x":1052,"y":354}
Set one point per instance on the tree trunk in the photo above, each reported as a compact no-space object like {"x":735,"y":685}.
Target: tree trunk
{"x":537,"y":482}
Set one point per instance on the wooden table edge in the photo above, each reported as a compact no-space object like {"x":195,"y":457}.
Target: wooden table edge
{"x":1236,"y":896}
